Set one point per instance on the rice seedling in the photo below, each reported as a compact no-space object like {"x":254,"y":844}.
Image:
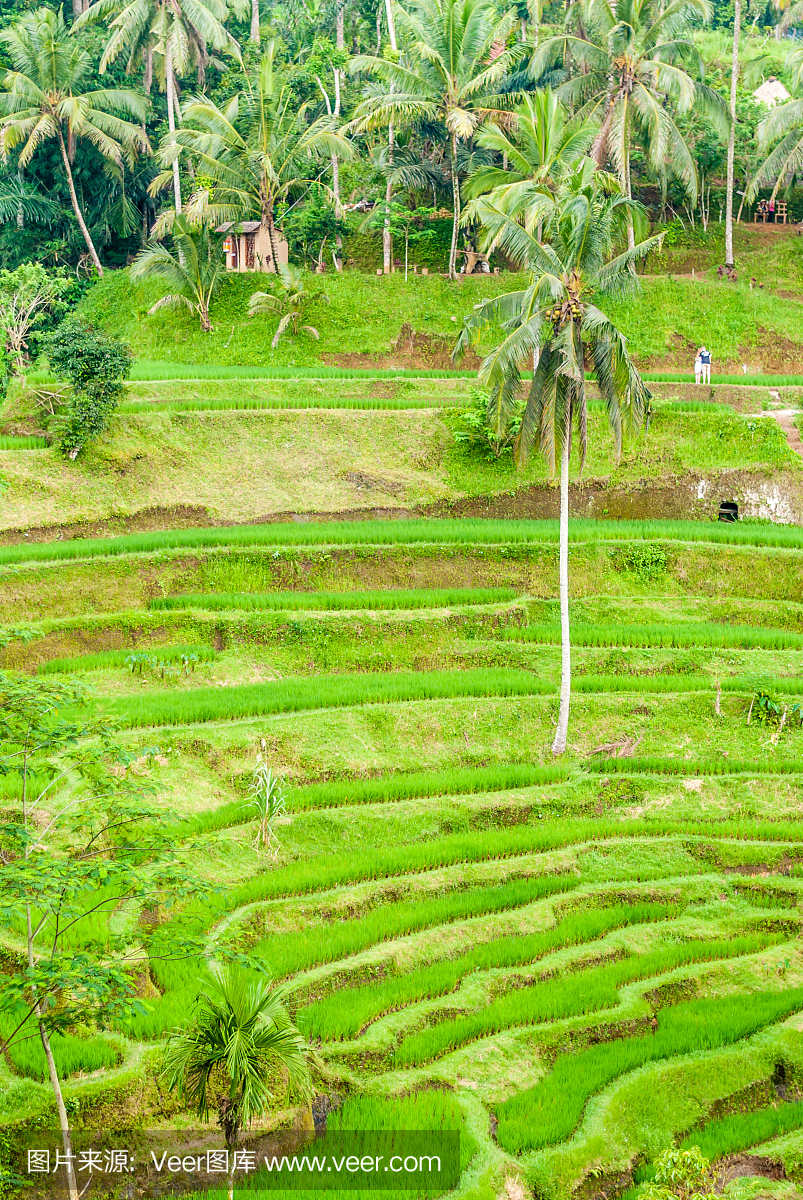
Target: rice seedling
{"x":741,"y":380}
{"x":549,"y":1112}
{"x":700,"y":634}
{"x":73,"y":1054}
{"x":401,"y":785}
{"x":694,"y":766}
{"x":438,"y":532}
{"x":14,"y":442}
{"x":740,"y":1130}
{"x":692,"y":406}
{"x":332,"y":601}
{"x":568,"y":996}
{"x":376,"y":862}
{"x":251,"y":404}
{"x":346,"y":1012}
{"x":106,"y":659}
{"x":331,"y":691}
{"x":288,"y":953}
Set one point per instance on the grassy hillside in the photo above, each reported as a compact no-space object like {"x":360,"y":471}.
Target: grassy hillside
{"x":245,"y":466}
{"x":366,"y":314}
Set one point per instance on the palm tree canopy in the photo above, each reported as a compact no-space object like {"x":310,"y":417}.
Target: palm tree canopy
{"x":43,"y":94}
{"x":254,"y":149}
{"x":456,"y":67}
{"x":557,"y":320}
{"x":631,"y":57}
{"x":784,"y":122}
{"x":241,"y":1029}
{"x":143,"y":28}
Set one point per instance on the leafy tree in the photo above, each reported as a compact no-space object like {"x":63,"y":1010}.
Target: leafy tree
{"x":456,"y":65}
{"x":194,"y":272}
{"x":72,"y":854}
{"x":630,"y":64}
{"x":782,"y":125}
{"x":44,"y":99}
{"x":174,"y":35}
{"x":239,"y":1035}
{"x":309,"y":226}
{"x":291,"y":303}
{"x":252,"y":151}
{"x":27,"y":295}
{"x":404,"y":223}
{"x":96,"y":364}
{"x":556,"y":322}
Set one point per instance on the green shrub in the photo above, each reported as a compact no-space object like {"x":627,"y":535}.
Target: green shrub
{"x":96,"y":365}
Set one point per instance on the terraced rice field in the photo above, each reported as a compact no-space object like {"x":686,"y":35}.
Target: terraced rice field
{"x":575,"y":963}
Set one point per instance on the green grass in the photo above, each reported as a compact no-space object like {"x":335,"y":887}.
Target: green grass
{"x":245,"y":404}
{"x":698,"y":634}
{"x":72,"y":1054}
{"x":437,"y":532}
{"x":694,"y":766}
{"x":345,"y":1013}
{"x":567,"y":996}
{"x":757,"y":380}
{"x":331,"y":601}
{"x":547,"y":1113}
{"x":105,"y":659}
{"x":12,"y":442}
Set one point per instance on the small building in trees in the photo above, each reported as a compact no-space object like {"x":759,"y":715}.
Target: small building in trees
{"x":248,"y":247}
{"x":771,"y":92}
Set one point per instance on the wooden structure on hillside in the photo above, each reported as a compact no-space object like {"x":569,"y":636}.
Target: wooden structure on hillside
{"x":247,"y":246}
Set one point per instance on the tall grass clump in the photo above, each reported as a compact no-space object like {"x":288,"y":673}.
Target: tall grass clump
{"x":332,"y":601}
{"x":344,"y":1013}
{"x":438,"y":532}
{"x":328,"y":691}
{"x":104,"y":659}
{"x":251,"y":404}
{"x":568,"y":996}
{"x":550,"y":1111}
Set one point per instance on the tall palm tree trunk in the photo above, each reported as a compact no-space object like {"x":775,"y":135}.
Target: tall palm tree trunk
{"x":254,"y":34}
{"x":387,"y":236}
{"x":631,"y":233}
{"x":170,"y":82}
{"x":79,"y":216}
{"x":456,"y":212}
{"x":340,"y":44}
{"x":737,"y":20}
{"x":559,"y":744}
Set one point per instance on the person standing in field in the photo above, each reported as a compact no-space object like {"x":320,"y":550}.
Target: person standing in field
{"x":698,"y":366}
{"x":705,"y":360}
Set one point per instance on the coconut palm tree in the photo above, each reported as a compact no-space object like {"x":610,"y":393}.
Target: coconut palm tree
{"x":253,"y":151}
{"x":456,"y":59}
{"x":240,"y":1031}
{"x":630,"y":57}
{"x":291,"y":303}
{"x":193,"y":273}
{"x":172,"y":35}
{"x":43,"y":100}
{"x":555,"y":319}
{"x":540,"y":148}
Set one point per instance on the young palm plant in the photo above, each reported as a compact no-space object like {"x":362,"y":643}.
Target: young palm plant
{"x":458,"y":61}
{"x":193,"y":273}
{"x":556,"y":321}
{"x":291,"y":303}
{"x":630,"y":72}
{"x":43,"y":99}
{"x":240,"y":1033}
